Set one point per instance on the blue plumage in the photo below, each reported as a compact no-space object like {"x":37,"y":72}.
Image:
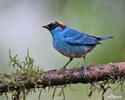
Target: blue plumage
{"x":72,"y":43}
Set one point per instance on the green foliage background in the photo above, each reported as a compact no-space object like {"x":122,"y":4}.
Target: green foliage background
{"x":21,"y":28}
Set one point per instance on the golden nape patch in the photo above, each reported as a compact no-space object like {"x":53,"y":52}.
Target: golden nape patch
{"x":59,"y":22}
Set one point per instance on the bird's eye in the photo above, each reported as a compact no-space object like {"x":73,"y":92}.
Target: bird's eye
{"x":52,"y":26}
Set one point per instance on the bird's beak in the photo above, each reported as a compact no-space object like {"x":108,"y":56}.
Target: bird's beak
{"x":46,"y":26}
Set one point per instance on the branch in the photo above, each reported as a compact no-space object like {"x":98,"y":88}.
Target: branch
{"x":19,"y":81}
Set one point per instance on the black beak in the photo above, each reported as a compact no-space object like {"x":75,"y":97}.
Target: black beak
{"x":46,"y":26}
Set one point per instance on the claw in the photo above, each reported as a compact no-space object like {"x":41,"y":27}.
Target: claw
{"x":63,"y":69}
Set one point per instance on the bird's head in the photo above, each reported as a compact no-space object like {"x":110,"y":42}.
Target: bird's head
{"x":57,"y":25}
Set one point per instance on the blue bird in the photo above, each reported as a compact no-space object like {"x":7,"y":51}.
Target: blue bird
{"x":72,"y":43}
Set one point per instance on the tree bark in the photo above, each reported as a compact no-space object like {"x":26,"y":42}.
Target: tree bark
{"x":69,"y":76}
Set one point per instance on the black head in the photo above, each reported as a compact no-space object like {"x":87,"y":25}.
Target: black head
{"x":57,"y":24}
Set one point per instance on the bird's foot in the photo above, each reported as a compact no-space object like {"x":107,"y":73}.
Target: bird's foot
{"x":63,"y":69}
{"x":84,"y":71}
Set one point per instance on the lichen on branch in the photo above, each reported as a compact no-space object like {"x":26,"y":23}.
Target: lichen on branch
{"x":26,"y":77}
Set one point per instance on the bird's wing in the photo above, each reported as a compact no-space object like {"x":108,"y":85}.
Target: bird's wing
{"x":77,"y":38}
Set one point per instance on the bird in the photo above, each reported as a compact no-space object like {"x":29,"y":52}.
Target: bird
{"x":72,"y":43}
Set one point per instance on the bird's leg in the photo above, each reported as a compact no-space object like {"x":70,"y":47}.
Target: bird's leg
{"x":84,"y":67}
{"x":64,"y":67}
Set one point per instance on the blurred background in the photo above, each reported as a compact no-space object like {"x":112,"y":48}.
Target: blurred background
{"x":21,"y":28}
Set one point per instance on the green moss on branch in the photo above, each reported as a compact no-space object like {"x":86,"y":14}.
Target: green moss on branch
{"x":26,"y":77}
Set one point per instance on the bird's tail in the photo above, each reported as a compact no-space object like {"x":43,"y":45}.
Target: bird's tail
{"x":103,"y":38}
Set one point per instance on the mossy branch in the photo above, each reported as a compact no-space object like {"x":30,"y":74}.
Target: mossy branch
{"x":26,"y":80}
{"x":27,"y":76}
